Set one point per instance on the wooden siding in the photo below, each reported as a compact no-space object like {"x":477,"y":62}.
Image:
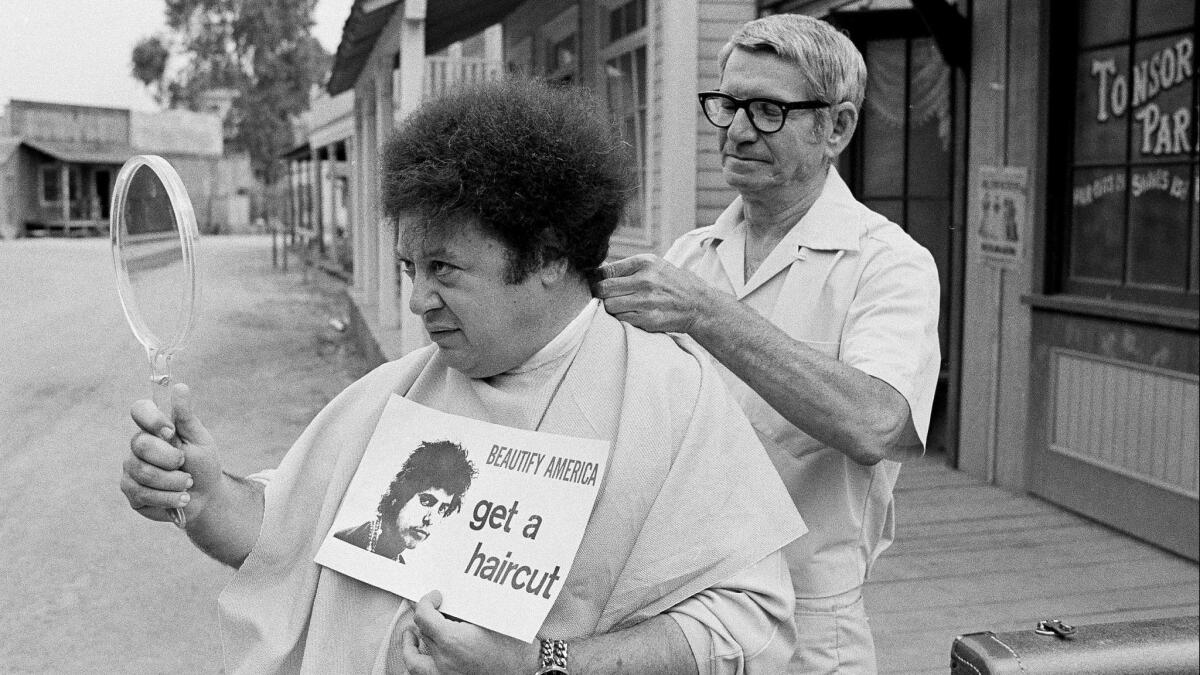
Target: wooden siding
{"x":717,"y":21}
{"x":972,"y":557}
{"x":1127,"y":418}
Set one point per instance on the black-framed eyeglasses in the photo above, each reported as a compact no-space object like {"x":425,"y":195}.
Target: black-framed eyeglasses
{"x":766,"y":115}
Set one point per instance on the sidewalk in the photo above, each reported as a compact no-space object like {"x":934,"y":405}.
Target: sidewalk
{"x":972,"y":557}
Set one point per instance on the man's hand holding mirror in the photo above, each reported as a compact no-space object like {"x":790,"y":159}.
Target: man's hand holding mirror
{"x":153,"y":233}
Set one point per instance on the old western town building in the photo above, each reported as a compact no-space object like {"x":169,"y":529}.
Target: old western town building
{"x":58,"y":163}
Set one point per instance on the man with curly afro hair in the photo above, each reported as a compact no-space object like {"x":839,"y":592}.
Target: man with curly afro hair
{"x":540,"y":168}
{"x":503,"y":196}
{"x":428,"y":488}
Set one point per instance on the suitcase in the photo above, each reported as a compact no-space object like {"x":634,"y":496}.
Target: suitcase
{"x":1131,"y":647}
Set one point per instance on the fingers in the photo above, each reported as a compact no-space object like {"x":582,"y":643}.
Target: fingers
{"x":151,"y":419}
{"x":626,"y":266}
{"x":151,"y":478}
{"x":427,"y":617}
{"x":187,"y":425}
{"x":154,"y":451}
{"x":415,"y":659}
{"x":420,"y":640}
{"x":150,"y":489}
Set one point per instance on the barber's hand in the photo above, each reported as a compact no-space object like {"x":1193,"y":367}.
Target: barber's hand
{"x":653,"y":294}
{"x":172,"y":463}
{"x":437,"y":645}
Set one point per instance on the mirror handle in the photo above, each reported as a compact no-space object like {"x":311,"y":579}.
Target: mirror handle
{"x":160,"y":391}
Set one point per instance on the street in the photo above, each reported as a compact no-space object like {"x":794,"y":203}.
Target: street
{"x":89,"y":586}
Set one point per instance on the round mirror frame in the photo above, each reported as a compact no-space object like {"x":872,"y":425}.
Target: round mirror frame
{"x":185,"y":226}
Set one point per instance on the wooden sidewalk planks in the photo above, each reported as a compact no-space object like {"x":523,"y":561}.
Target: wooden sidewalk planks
{"x":970,"y":557}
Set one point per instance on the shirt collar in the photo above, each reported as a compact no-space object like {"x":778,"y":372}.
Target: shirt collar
{"x":564,"y":343}
{"x":834,"y":222}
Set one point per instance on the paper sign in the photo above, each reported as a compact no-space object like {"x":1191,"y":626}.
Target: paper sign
{"x":1001,"y":215}
{"x":489,"y":515}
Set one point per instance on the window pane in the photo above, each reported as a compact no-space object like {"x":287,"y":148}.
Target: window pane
{"x":1163,"y":118}
{"x":562,"y":54}
{"x":78,"y":195}
{"x":883,"y":119}
{"x":892,"y":209}
{"x":1156,"y":16}
{"x":1101,"y":106}
{"x":50,"y":189}
{"x":1158,"y":225}
{"x":626,"y":19}
{"x":929,"y":122}
{"x":1194,"y":278}
{"x":929,"y":223}
{"x":1098,"y":224}
{"x":626,"y":89}
{"x":1103,"y":21}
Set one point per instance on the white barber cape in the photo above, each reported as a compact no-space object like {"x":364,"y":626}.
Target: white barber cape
{"x":689,"y":502}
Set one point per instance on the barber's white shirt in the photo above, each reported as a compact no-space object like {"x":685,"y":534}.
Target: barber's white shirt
{"x":855,"y":287}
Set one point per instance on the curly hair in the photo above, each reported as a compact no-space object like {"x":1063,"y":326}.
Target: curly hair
{"x":434,"y":464}
{"x":541,"y":168}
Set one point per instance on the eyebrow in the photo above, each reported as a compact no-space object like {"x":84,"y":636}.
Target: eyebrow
{"x":439,"y":251}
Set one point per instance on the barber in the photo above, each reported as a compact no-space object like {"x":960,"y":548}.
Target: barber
{"x":822,"y":313}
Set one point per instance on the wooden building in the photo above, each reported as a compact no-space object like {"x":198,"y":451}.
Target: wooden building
{"x":1045,"y":151}
{"x":317,"y":190}
{"x":58,"y":163}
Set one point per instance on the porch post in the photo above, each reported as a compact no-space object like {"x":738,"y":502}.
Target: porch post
{"x":410,"y":90}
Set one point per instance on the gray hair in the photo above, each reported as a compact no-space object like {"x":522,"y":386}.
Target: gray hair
{"x":830,"y":64}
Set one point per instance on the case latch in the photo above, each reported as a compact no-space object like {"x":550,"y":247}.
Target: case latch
{"x":1054,"y":627}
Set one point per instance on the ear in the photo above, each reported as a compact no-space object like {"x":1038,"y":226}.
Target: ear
{"x":844,"y":117}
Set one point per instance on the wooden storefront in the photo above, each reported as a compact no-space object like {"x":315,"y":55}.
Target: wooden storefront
{"x":1046,"y":153}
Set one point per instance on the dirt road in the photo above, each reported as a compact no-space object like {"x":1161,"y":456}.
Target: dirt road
{"x":87,"y":585}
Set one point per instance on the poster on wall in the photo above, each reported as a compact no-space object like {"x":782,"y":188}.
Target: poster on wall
{"x":1001,"y":215}
{"x":489,"y":515}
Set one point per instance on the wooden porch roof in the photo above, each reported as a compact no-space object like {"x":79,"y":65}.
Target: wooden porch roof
{"x":972,"y":557}
{"x":446,"y":22}
{"x":82,"y":153}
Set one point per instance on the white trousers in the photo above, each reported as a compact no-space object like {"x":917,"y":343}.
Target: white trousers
{"x":833,"y":636}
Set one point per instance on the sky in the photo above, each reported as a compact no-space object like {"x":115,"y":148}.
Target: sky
{"x":77,"y":51}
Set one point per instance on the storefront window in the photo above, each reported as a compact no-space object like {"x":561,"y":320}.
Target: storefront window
{"x":51,"y":184}
{"x":560,"y":38}
{"x":1131,"y":220}
{"x":624,"y":57}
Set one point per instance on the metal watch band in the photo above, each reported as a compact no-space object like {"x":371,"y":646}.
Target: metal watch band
{"x":554,"y":658}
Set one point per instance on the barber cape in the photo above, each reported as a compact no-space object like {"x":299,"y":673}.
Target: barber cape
{"x":689,"y":499}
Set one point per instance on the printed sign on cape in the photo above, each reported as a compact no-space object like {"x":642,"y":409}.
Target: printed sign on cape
{"x":489,"y":515}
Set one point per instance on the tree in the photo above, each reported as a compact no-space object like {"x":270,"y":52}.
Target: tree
{"x":149,"y":63}
{"x":263,"y":50}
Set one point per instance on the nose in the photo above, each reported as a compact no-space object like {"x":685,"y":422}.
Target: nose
{"x":424,"y":296}
{"x":427,"y":518}
{"x":740,"y":129}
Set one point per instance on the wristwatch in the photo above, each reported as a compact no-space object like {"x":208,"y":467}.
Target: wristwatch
{"x":554,"y":658}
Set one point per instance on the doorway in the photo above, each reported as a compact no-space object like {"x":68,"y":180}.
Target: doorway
{"x":902,"y":163}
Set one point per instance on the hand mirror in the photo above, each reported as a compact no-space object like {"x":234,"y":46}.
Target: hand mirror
{"x":153,"y":231}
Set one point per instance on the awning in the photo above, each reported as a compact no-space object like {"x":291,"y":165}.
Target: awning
{"x":446,"y":22}
{"x":82,"y":153}
{"x":302,"y":151}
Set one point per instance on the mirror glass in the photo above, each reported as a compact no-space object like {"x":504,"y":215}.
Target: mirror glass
{"x":153,"y":230}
